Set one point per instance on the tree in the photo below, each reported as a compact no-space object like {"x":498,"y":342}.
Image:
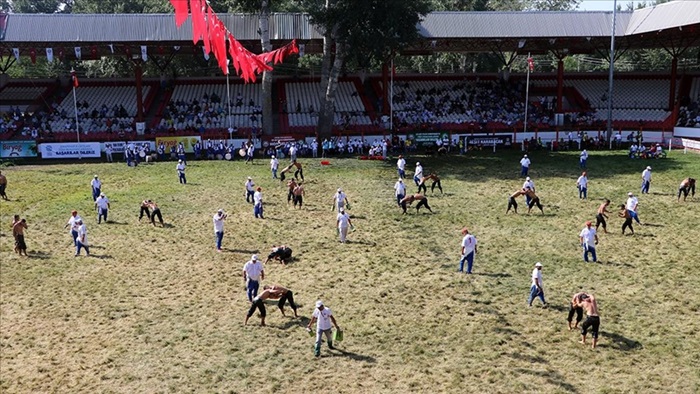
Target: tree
{"x":36,"y":6}
{"x":366,"y":30}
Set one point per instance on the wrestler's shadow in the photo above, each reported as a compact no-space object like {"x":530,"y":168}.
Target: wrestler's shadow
{"x":663,"y":194}
{"x":493,"y":274}
{"x":526,"y":357}
{"x":552,"y":377}
{"x":353,"y":356}
{"x":653,"y":225}
{"x":292,"y":322}
{"x":253,"y":251}
{"x":360,"y":242}
{"x":557,"y":307}
{"x":619,"y":342}
{"x":361,"y":217}
{"x":616,"y":264}
{"x":40,"y":255}
{"x":116,"y":222}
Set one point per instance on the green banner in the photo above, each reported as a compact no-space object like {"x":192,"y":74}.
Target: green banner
{"x":428,"y":139}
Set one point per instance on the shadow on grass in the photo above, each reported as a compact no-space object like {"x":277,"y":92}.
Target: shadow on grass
{"x":360,"y":242}
{"x":616,"y":264}
{"x":508,"y":331}
{"x":619,"y":342}
{"x":527,"y":357}
{"x":115,"y":222}
{"x":663,"y":194}
{"x":255,"y":251}
{"x":552,"y":377}
{"x":101,"y":256}
{"x":301,"y":321}
{"x":558,"y":308}
{"x":40,"y":255}
{"x":653,"y":225}
{"x":493,"y":274}
{"x":353,"y":356}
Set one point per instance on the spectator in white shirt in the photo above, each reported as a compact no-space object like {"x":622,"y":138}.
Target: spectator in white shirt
{"x":293,"y":152}
{"x":96,"y":186}
{"x":582,"y":184}
{"x":82,"y":239}
{"x":400,"y":191}
{"x":181,"y":172}
{"x":274,"y":165}
{"x":102,"y":205}
{"x":468,"y":251}
{"x":418,"y":174}
{"x":219,"y":218}
{"x":249,"y":190}
{"x":528,"y":184}
{"x":340,"y":199}
{"x":646,"y":180}
{"x":72,"y":224}
{"x":583,"y":159}
{"x":324,"y":317}
{"x":524,"y":166}
{"x":343,"y":222}
{"x":536,"y":289}
{"x":589,"y":239}
{"x":253,"y":273}
{"x":258,"y":203}
{"x":631,"y":205}
{"x":401,"y":166}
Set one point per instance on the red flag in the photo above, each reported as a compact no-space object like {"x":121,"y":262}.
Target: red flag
{"x":181,"y":11}
{"x":93,"y":52}
{"x":208,"y":29}
{"x":233,"y":51}
{"x":74,"y":78}
{"x":32,"y":55}
{"x":198,"y":25}
{"x":531,"y":64}
{"x":219,"y":45}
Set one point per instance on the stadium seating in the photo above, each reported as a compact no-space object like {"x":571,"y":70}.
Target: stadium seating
{"x":303,"y":101}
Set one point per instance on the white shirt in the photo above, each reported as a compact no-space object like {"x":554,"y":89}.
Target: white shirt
{"x":82,"y":232}
{"x":251,"y":149}
{"x":400,"y":188}
{"x":218,"y":223}
{"x":343,"y":220}
{"x":582,"y":181}
{"x":323,"y":318}
{"x":180,"y":167}
{"x":525,"y":162}
{"x":274,"y":164}
{"x":71,"y":223}
{"x":253,"y":269}
{"x":584,"y":155}
{"x":537,"y":277}
{"x":646,"y":175}
{"x":419,"y":171}
{"x":102,"y":202}
{"x":469,"y":243}
{"x":249,"y":185}
{"x":401,"y":164}
{"x":339,"y":197}
{"x":632,"y":203}
{"x":96,"y":184}
{"x":257,"y":198}
{"x":588,"y":235}
{"x":529,"y":184}
{"x":292,"y":150}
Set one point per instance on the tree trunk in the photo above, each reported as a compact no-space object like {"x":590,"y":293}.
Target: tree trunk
{"x":267,"y":124}
{"x":326,"y":115}
{"x":327,"y":57}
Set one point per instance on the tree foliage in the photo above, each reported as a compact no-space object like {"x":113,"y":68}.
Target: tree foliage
{"x":37,"y":6}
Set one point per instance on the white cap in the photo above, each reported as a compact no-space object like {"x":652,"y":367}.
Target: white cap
{"x":102,"y":194}
{"x":273,"y":156}
{"x":630,"y":194}
{"x":525,"y":156}
{"x":254,"y":257}
{"x":527,"y":179}
{"x":179,"y":161}
{"x":340,"y":190}
{"x":649,"y":168}
{"x":400,"y":180}
{"x":417,"y":163}
{"x":220,"y":211}
{"x":319,"y":304}
{"x":250,"y":178}
{"x":95,"y":176}
{"x":538,"y":264}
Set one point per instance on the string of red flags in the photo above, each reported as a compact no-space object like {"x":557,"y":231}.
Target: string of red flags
{"x":207,"y":26}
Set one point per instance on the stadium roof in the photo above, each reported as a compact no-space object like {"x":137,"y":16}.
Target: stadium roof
{"x":672,"y":24}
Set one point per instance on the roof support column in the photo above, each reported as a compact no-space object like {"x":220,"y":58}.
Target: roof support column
{"x":674,"y":76}
{"x":138,"y":76}
{"x":385,"y":88}
{"x":560,"y":85}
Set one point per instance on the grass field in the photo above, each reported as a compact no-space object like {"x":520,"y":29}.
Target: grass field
{"x":157,"y":310}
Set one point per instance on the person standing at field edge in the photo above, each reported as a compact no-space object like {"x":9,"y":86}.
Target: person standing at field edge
{"x":401,"y":167}
{"x":258,"y":203}
{"x":582,"y":184}
{"x":646,"y":180}
{"x":181,"y":172}
{"x":524,"y":166}
{"x":274,"y":165}
{"x":218,"y":220}
{"x":589,"y":239}
{"x":399,"y":191}
{"x":536,"y":289}
{"x":96,"y":187}
{"x":253,"y":273}
{"x":418,"y":174}
{"x":3,"y":186}
{"x":468,"y":251}
{"x":323,"y":316}
{"x":583,"y":159}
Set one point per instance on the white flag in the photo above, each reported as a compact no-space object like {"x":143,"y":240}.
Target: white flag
{"x":144,"y":53}
{"x":206,"y":54}
{"x":111,"y":48}
{"x":15,"y":51}
{"x":49,"y":54}
{"x":78,"y":54}
{"x":302,"y":47}
{"x":176,"y":47}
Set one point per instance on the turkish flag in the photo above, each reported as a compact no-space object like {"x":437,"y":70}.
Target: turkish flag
{"x":32,"y":55}
{"x":199,"y":29}
{"x":181,"y":11}
{"x":74,"y":78}
{"x":531,"y":64}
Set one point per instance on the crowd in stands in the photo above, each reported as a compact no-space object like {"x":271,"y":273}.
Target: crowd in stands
{"x":689,"y":114}
{"x":10,"y":121}
{"x":209,"y":112}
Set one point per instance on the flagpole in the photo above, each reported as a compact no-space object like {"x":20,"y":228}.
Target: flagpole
{"x":527,"y":94}
{"x":75,"y":108}
{"x":391,"y":97}
{"x":228,"y":101}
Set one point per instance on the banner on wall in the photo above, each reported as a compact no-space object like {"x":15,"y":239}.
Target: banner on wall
{"x":427,"y":139}
{"x":188,"y":142}
{"x":488,"y":140}
{"x":70,"y":150}
{"x":13,"y":149}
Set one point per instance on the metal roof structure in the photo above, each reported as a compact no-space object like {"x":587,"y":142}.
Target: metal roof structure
{"x":673,"y":24}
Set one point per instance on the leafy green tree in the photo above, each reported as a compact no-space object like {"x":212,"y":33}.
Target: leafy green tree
{"x":35,"y":6}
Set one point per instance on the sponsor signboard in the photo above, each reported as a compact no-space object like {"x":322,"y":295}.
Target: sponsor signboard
{"x":488,"y":140}
{"x":12,"y":149}
{"x":187,"y":141}
{"x":427,"y":139}
{"x":70,"y":150}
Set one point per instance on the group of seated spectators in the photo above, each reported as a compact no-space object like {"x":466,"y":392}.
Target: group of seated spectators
{"x":689,"y":114}
{"x":207,"y":113}
{"x":10,"y":121}
{"x":646,"y":152}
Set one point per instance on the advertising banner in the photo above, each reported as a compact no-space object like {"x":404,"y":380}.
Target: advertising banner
{"x":427,"y":139}
{"x":188,"y":142}
{"x":12,"y":149}
{"x":488,"y":140}
{"x":70,"y":150}
{"x":117,"y":147}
